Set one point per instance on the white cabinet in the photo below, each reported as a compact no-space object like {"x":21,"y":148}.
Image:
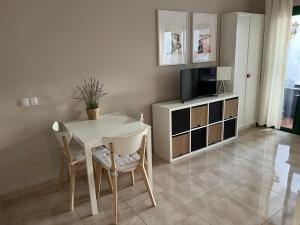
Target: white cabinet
{"x":183,"y":129}
{"x":241,"y":48}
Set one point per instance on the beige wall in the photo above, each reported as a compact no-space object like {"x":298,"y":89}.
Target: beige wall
{"x":48,"y":46}
{"x":258,"y":6}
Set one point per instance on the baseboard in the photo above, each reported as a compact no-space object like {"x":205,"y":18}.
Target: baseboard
{"x":244,"y":127}
{"x":41,"y":188}
{"x":51,"y":186}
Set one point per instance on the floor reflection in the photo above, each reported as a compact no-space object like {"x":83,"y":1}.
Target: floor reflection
{"x":293,"y":182}
{"x":286,"y":179}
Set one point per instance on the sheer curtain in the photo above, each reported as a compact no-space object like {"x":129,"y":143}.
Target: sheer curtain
{"x":277,"y":32}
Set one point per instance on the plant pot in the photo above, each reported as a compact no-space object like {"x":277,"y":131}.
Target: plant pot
{"x":93,"y":114}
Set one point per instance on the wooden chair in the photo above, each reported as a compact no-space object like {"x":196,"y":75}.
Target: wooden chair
{"x":137,"y":115}
{"x":73,"y":157}
{"x":125,"y":154}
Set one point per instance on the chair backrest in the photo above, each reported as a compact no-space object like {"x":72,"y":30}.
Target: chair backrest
{"x":56,"y":126}
{"x":126,"y":145}
{"x":137,"y":115}
{"x":63,"y":138}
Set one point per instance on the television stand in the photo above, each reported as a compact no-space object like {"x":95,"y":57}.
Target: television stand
{"x":213,"y":95}
{"x":181,"y":130}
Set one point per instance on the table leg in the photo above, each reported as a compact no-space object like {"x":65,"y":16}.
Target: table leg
{"x":90,"y":176}
{"x":149,"y":157}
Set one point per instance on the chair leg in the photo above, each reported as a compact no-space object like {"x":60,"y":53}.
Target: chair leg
{"x":72,"y":186}
{"x":61,"y":174}
{"x":145,"y":162}
{"x":146,"y":181}
{"x":99,"y":170}
{"x":132,"y":177}
{"x":109,"y":180}
{"x":115,"y":199}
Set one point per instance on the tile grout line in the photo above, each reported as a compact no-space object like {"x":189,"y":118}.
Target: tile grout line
{"x":265,"y":219}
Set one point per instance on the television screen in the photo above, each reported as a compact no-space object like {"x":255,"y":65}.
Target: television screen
{"x":197,"y":82}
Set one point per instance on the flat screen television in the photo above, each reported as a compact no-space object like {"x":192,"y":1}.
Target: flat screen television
{"x":198,"y":82}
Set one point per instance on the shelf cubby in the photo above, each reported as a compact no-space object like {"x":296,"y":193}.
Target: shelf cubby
{"x":180,"y":121}
{"x":231,"y":108}
{"x":199,"y":116}
{"x":180,"y":145}
{"x":215,"y":112}
{"x":198,"y":139}
{"x":215,"y":133}
{"x":230,"y":127}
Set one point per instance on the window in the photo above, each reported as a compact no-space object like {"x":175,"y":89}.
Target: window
{"x":292,"y":75}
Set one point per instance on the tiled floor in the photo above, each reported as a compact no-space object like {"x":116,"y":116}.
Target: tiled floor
{"x":287,"y":122}
{"x":251,"y":181}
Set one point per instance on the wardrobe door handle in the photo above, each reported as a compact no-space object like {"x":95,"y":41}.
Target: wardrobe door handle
{"x":248,"y":75}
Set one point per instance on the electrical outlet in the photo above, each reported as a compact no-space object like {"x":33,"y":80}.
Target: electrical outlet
{"x":34,"y":101}
{"x":24,"y":102}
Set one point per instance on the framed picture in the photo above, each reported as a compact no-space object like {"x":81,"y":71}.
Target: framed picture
{"x":172,"y":36}
{"x":204,"y":37}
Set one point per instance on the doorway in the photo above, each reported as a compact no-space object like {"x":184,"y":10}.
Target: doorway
{"x":291,"y":105}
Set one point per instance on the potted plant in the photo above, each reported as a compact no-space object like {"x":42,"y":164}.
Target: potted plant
{"x":91,"y":94}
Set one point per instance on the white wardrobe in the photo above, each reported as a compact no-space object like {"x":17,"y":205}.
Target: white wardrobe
{"x":241,"y":48}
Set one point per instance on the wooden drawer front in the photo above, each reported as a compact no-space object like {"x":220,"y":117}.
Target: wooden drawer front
{"x":215,"y":133}
{"x":199,"y":116}
{"x":180,"y":145}
{"x":231,"y":108}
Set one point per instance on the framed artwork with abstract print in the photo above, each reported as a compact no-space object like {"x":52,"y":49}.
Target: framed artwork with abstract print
{"x":204,"y":37}
{"x":172,"y":36}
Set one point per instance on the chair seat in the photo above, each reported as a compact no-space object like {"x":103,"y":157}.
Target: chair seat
{"x":79,"y":154}
{"x":123,"y":163}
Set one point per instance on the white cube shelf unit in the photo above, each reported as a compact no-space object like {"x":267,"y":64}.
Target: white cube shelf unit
{"x":183,"y":129}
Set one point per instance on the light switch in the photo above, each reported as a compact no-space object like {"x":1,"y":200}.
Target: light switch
{"x":34,"y":101}
{"x":24,"y":102}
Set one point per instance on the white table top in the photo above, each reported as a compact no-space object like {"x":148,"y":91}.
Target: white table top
{"x":108,"y":125}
